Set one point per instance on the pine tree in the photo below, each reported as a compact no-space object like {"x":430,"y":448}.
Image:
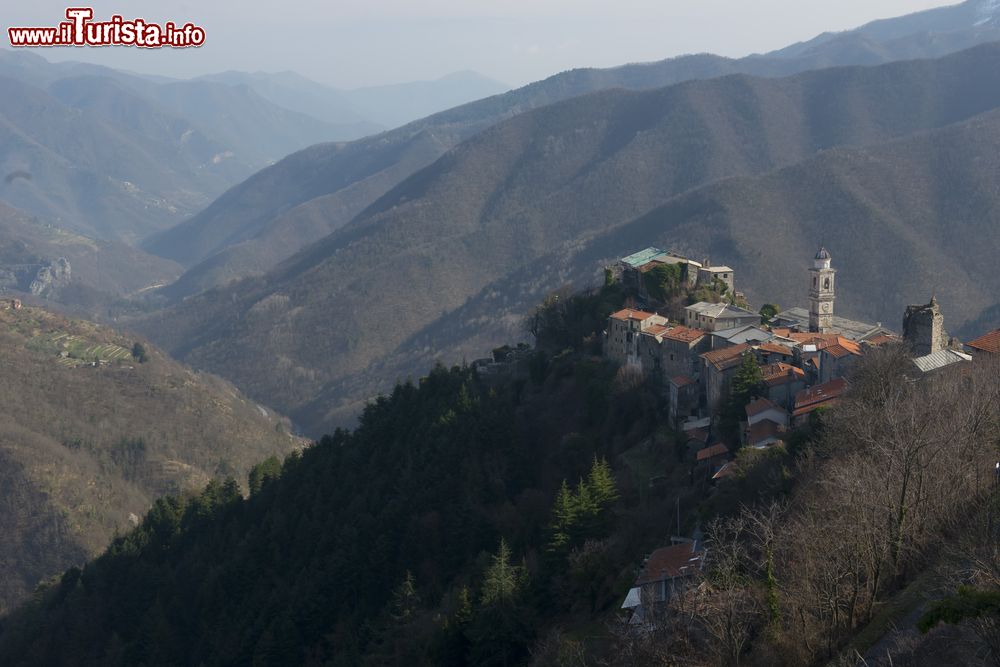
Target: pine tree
{"x":502,"y":581}
{"x":405,"y":600}
{"x":564,"y":517}
{"x":601,"y":482}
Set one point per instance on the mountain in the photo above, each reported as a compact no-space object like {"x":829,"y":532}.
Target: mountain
{"x":91,"y":436}
{"x":99,"y":272}
{"x":396,"y":104}
{"x":295,"y":92}
{"x":301,"y":571}
{"x":119,"y":156}
{"x":878,"y":209}
{"x":308,"y":195}
{"x":521,"y":189}
{"x":502,"y":520}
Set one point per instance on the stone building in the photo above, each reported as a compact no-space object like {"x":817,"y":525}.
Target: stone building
{"x":923,"y":329}
{"x":718,"y":316}
{"x":708,"y":274}
{"x":621,"y":339}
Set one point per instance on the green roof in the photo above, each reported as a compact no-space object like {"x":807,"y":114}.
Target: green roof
{"x":636,"y":260}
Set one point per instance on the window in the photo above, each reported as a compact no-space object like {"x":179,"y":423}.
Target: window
{"x":826,"y":284}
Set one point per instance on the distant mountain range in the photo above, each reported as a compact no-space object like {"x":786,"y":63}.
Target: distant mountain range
{"x":483,"y":222}
{"x":118,"y":155}
{"x":310,"y":194}
{"x":379,"y":106}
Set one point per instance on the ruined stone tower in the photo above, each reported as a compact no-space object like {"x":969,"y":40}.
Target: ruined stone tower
{"x":821,"y":293}
{"x":923,"y":328}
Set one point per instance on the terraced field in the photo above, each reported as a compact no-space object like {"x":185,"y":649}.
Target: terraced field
{"x":72,"y":350}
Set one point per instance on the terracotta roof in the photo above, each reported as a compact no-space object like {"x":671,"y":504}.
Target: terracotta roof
{"x":989,"y":342}
{"x":679,"y":560}
{"x":810,"y":337}
{"x":759,"y":406}
{"x":781,"y":331}
{"x":765,"y":429}
{"x":780,"y":373}
{"x":881,"y":339}
{"x":682,"y":381}
{"x":725,"y":358}
{"x":775,"y":348}
{"x":655,"y":329}
{"x":840,"y":347}
{"x":684,"y":334}
{"x":630,"y":314}
{"x":808,"y":400}
{"x":718,"y":449}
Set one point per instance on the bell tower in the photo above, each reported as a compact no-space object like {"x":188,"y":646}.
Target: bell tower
{"x":821,"y":293}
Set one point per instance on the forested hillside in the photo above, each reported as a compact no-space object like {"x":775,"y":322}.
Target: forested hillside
{"x":501,"y":523}
{"x":96,"y":426}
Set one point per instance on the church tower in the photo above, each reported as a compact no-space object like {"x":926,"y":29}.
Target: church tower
{"x":821,"y":276}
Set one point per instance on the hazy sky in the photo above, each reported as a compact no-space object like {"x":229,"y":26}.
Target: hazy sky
{"x":514,"y":41}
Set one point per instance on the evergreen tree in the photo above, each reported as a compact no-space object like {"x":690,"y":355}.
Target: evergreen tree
{"x":503,"y":580}
{"x":602,"y":485}
{"x":564,"y":516}
{"x":405,"y":600}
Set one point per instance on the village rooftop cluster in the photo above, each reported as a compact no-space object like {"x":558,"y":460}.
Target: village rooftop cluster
{"x":804,"y":354}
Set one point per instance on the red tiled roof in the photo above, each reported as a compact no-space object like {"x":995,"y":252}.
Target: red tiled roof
{"x":780,"y":373}
{"x":630,"y":314}
{"x":682,"y":381}
{"x":655,"y":329}
{"x":840,"y":347}
{"x":684,"y":334}
{"x":810,"y":337}
{"x":718,"y":449}
{"x":759,"y":406}
{"x":989,"y":342}
{"x":775,"y":348}
{"x":763,"y":430}
{"x":808,"y":400}
{"x":781,"y":331}
{"x":725,"y":358}
{"x":677,"y":561}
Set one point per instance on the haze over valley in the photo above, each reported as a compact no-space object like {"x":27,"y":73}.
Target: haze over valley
{"x":683,"y":362}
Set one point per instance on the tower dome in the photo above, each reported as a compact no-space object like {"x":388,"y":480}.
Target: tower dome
{"x":823,"y":253}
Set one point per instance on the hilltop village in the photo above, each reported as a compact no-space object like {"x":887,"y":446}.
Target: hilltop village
{"x":734,"y":378}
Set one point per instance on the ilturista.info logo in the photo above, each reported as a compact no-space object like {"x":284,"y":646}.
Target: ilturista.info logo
{"x":80,"y":29}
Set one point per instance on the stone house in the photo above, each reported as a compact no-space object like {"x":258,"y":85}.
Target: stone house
{"x":683,"y":398}
{"x":783,"y":382}
{"x":836,"y":358}
{"x":679,"y":350}
{"x":718,"y":316}
{"x":621,"y":338}
{"x":809,"y":400}
{"x":718,"y":368}
{"x":664,"y":573}
{"x":767,"y":423}
{"x":708,"y":274}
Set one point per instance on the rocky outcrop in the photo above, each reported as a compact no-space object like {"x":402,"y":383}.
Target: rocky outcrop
{"x":56,"y":274}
